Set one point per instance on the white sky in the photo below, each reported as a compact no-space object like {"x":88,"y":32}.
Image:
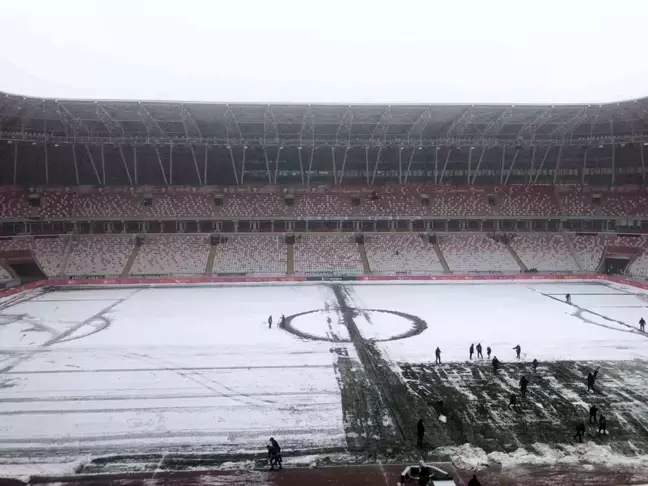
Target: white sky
{"x":393,"y":51}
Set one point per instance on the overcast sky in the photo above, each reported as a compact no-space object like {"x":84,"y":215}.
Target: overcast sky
{"x":393,"y":51}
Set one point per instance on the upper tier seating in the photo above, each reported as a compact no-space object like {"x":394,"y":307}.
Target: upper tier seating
{"x":172,"y":255}
{"x":476,"y":253}
{"x":99,"y":255}
{"x":12,"y":205}
{"x":252,"y":255}
{"x":181,"y":205}
{"x":409,"y":253}
{"x":544,"y":252}
{"x":324,"y":254}
{"x":109,"y":205}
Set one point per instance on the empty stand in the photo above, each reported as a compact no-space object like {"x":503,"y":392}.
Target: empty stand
{"x":109,"y":205}
{"x":251,"y":255}
{"x":172,"y":255}
{"x":544,"y":252}
{"x":327,"y":254}
{"x":99,"y":255}
{"x":476,"y":253}
{"x":405,"y":253}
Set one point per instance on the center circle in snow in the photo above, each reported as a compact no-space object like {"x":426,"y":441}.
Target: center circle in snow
{"x":335,"y":325}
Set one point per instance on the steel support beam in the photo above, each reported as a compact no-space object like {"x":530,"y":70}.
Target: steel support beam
{"x":400,"y":165}
{"x":71,"y":121}
{"x":566,"y":128}
{"x":503,"y":163}
{"x":195,"y":161}
{"x":150,"y":123}
{"x":542,"y":164}
{"x":112,"y":125}
{"x":232,"y":127}
{"x":333,"y":164}
{"x":76,"y":164}
{"x":276,"y":171}
{"x":205,"y":167}
{"x":379,"y":133}
{"x":310,"y":165}
{"x":584,"y":167}
{"x":244,"y":157}
{"x":103,"y":165}
{"x":555,"y":178}
{"x":531,"y":127}
{"x":191,"y":128}
{"x":171,"y":164}
{"x":343,"y":133}
{"x":459,"y":124}
{"x":436,"y":164}
{"x":16,"y":163}
{"x":229,"y":148}
{"x":373,"y":177}
{"x":533,"y":154}
{"x":159,"y":159}
{"x":445,"y":164}
{"x":307,"y":132}
{"x":270,"y":128}
{"x":470,"y":152}
{"x":135,"y":173}
{"x":46,"y":164}
{"x":510,"y":169}
{"x":265,"y":156}
{"x":121,"y":153}
{"x":496,"y":125}
{"x":415,"y":134}
{"x":301,"y":164}
{"x":481,"y":157}
{"x":344,"y":160}
{"x":94,"y":166}
{"x":409,"y":165}
{"x":367,"y":164}
{"x":643,"y":166}
{"x":613,"y":163}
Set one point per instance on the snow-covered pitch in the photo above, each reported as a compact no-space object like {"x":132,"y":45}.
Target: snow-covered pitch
{"x":100,"y":371}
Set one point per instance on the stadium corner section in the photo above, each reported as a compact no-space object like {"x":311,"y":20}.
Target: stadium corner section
{"x":171,"y":281}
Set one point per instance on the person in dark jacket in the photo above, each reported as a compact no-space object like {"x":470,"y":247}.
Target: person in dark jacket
{"x":282,"y":323}
{"x":580,"y":431}
{"x":523,"y":385}
{"x":437,"y":353}
{"x":590,"y":382}
{"x":513,"y":401}
{"x":535,"y":364}
{"x":602,"y":425}
{"x":474,"y":481}
{"x":642,"y":324}
{"x":568,"y":299}
{"x":275,"y":444}
{"x":592,"y":414}
{"x":518,"y":349}
{"x":488,"y":352}
{"x":270,"y":322}
{"x":420,"y":432}
{"x":479,"y":351}
{"x":472,"y":350}
{"x":496,"y":364}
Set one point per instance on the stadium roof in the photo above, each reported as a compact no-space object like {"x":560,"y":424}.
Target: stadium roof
{"x":116,"y":121}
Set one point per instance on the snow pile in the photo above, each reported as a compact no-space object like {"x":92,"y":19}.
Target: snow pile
{"x":465,"y":456}
{"x":468,"y":457}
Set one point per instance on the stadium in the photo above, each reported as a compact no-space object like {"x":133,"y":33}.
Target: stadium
{"x":183,"y":281}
